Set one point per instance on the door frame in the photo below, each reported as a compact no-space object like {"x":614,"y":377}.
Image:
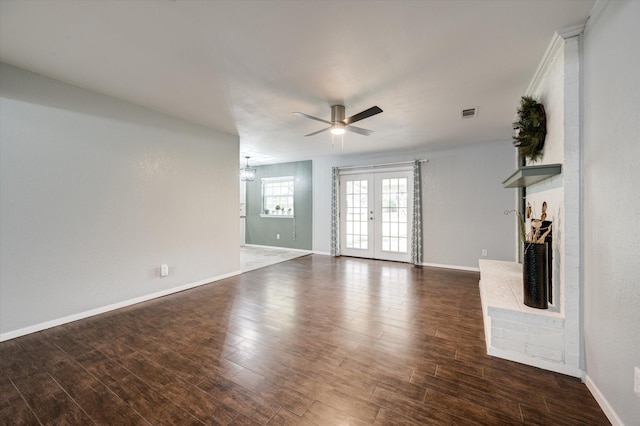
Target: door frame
{"x":374,"y":176}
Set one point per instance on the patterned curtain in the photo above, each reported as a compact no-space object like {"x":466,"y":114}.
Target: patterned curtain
{"x":335,"y":235}
{"x":416,"y":226}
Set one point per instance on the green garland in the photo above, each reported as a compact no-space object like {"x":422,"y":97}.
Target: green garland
{"x":531,"y":128}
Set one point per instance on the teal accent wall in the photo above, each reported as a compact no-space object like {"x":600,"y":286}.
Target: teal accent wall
{"x":294,"y":232}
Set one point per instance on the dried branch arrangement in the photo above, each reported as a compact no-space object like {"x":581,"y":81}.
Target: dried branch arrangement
{"x":535,"y":234}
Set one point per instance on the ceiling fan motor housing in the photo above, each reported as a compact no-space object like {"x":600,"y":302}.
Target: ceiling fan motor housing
{"x":337,"y":113}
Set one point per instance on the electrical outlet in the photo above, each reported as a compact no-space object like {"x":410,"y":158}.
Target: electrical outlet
{"x":277,"y":236}
{"x":484,"y":252}
{"x":164,"y":270}
{"x":636,"y":381}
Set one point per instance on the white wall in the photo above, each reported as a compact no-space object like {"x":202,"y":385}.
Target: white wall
{"x":463,"y":201}
{"x":96,"y":193}
{"x":611,"y":205}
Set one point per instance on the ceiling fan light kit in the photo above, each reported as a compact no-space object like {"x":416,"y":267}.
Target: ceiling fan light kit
{"x":338,"y":124}
{"x":337,"y":129}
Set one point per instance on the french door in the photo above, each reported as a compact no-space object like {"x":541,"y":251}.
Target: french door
{"x":376,"y":214}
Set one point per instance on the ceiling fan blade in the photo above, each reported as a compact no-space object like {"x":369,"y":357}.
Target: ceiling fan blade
{"x":362,"y":115}
{"x":319,"y":131}
{"x":302,"y":114}
{"x":359,"y":130}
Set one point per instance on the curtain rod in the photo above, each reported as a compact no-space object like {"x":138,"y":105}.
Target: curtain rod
{"x":371,"y":166}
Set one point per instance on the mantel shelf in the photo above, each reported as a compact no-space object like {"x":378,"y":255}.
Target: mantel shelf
{"x":528,"y":175}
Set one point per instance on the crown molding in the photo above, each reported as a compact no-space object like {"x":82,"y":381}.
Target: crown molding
{"x":597,"y":11}
{"x":573,"y":31}
{"x":553,"y":49}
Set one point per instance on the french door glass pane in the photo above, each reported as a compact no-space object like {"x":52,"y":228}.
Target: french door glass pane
{"x":356,"y":220}
{"x":394,"y":215}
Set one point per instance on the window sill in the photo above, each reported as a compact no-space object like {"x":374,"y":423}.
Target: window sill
{"x":277,"y":216}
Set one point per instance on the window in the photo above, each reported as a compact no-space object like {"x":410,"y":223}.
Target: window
{"x":277,"y":196}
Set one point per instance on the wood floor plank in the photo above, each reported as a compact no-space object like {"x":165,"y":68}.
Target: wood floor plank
{"x":415,"y":410}
{"x":316,"y":340}
{"x":389,"y":418}
{"x":151,"y":404}
{"x":460,"y":390}
{"x":48,"y":401}
{"x":540,"y":416}
{"x":468,"y":410}
{"x":102,"y":367}
{"x":240,"y":399}
{"x":198,"y":403}
{"x":73,"y":378}
{"x":322,"y":414}
{"x":17,"y":414}
{"x":359,"y":408}
{"x":287,"y":418}
{"x":105,"y":408}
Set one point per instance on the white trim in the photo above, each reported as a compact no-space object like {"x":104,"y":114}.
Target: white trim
{"x":596,"y":11}
{"x":280,"y":248}
{"x":401,"y":164}
{"x":374,"y":169}
{"x":97,"y":311}
{"x":460,"y":268}
{"x":602,"y":402}
{"x":322,"y":253}
{"x":572,"y":31}
{"x":553,"y":49}
{"x":568,"y":370}
{"x":278,"y":179}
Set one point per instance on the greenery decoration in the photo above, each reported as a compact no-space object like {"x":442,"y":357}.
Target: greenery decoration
{"x":530,"y":129}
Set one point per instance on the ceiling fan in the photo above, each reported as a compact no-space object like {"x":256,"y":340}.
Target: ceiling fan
{"x":339,"y":124}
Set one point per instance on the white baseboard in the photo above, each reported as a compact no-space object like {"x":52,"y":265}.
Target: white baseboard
{"x":460,"y":268}
{"x":97,"y":311}
{"x":602,"y":401}
{"x":279,"y":248}
{"x":568,"y":370}
{"x":323,"y":253}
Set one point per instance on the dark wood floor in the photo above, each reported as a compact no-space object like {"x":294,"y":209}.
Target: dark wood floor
{"x":315,"y":340}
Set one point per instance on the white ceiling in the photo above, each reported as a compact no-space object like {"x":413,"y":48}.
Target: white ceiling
{"x":244,"y":66}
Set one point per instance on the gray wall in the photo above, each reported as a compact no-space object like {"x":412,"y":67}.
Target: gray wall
{"x":263,"y":230}
{"x":611,"y":204}
{"x":96,"y":193}
{"x":463,"y":201}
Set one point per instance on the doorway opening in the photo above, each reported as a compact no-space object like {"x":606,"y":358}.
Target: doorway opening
{"x":376,"y":214}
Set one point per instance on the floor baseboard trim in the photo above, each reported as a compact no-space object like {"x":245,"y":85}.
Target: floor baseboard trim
{"x":568,"y":370}
{"x":323,"y":253}
{"x":101,"y":310}
{"x":460,"y":268}
{"x":279,"y":248}
{"x":602,"y":402}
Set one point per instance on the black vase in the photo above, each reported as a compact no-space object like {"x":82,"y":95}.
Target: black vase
{"x":535,"y":275}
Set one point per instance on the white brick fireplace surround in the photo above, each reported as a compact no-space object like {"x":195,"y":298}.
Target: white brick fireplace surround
{"x":549,"y":339}
{"x":517,"y":332}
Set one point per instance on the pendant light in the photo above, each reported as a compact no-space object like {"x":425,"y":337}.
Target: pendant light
{"x":247,"y":173}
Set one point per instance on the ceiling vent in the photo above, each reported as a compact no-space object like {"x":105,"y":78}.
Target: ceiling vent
{"x":469,"y":112}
